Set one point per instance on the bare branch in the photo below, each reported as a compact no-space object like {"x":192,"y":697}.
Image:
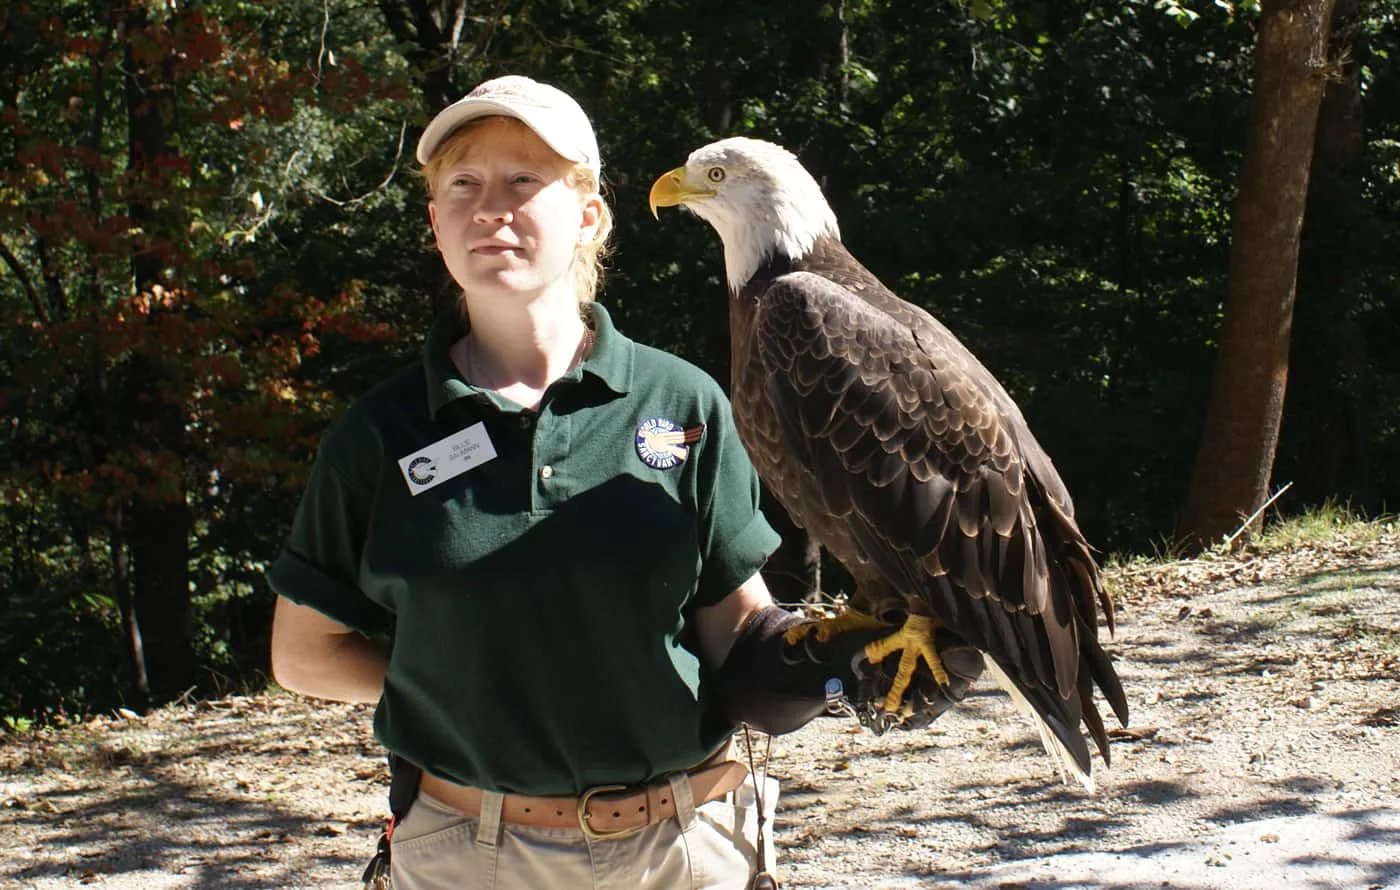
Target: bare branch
{"x":325,"y":26}
{"x":1228,"y":542}
{"x":393,"y":169}
{"x":23,"y":275}
{"x":427,"y":26}
{"x":250,"y":233}
{"x":457,"y":24}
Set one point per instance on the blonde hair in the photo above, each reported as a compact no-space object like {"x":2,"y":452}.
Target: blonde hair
{"x":589,"y":256}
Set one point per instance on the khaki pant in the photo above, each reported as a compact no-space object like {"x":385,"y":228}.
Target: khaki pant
{"x":710,"y":847}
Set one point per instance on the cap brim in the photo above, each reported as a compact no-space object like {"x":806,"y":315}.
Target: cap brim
{"x":467,"y":110}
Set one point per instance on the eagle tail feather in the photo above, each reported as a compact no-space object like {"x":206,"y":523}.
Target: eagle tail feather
{"x":1066,"y":761}
{"x":1101,"y":669}
{"x":1093,"y":720}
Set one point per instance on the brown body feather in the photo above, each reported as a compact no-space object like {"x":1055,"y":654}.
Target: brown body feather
{"x":886,"y":439}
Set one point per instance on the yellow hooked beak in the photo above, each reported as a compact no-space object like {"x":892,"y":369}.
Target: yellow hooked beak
{"x":671,"y":190}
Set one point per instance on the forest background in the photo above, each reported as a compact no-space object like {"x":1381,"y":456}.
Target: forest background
{"x":1173,"y":240}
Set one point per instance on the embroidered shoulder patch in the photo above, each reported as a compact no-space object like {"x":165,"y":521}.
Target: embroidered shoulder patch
{"x":662,"y":443}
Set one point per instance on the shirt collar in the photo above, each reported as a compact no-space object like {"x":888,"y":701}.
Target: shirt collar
{"x":614,"y":355}
{"x":611,"y":362}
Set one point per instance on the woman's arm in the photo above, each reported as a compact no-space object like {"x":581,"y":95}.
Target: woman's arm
{"x":718,"y":625}
{"x":318,"y":656}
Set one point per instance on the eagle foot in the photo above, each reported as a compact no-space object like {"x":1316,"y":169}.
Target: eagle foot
{"x":826,"y":628}
{"x":914,"y":641}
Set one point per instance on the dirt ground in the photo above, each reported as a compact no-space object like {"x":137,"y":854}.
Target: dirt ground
{"x":1261,"y":685}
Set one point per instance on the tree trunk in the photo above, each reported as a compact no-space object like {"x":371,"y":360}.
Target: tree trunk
{"x":158,"y":524}
{"x":431,"y":31}
{"x":1236,"y":454}
{"x":1326,"y":417}
{"x":131,"y":627}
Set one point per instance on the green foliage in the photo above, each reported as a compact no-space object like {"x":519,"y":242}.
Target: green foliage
{"x":1052,"y":180}
{"x":55,"y":636}
{"x":151,"y":364}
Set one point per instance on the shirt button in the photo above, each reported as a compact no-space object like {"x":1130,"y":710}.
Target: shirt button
{"x":546,"y":471}
{"x":526,"y":421}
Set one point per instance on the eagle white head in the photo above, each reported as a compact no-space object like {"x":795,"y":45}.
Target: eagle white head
{"x":757,"y":195}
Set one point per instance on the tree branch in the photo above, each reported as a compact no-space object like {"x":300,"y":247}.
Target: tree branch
{"x":393,"y":168}
{"x":23,"y":275}
{"x":325,"y":26}
{"x":397,"y":21}
{"x":457,"y":22}
{"x":53,"y":285}
{"x":1244,"y":526}
{"x":484,"y":37}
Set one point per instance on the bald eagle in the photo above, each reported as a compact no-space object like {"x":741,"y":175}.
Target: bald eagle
{"x":885,"y":438}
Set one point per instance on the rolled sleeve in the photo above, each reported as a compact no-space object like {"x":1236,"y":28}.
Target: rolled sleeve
{"x":304,"y":583}
{"x":319,"y":565}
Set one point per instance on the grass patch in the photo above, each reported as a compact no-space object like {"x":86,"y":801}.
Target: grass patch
{"x":1329,"y":524}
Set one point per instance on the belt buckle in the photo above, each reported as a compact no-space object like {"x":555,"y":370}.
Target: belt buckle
{"x":589,"y":831}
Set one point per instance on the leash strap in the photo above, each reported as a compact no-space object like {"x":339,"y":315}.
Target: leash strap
{"x":764,"y":879}
{"x":403,"y":791}
{"x":376,"y":876}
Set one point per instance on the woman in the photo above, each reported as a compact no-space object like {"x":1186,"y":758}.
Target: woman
{"x":538,"y":550}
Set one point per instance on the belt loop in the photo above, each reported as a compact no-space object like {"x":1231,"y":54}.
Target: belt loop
{"x":488,"y":826}
{"x":685,"y":800}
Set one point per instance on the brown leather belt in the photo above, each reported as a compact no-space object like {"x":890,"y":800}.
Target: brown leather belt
{"x":607,"y":811}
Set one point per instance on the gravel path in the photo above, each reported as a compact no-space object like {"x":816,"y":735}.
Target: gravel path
{"x":1263,"y":754}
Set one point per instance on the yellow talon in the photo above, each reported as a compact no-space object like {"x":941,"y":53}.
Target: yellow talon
{"x":826,"y":628}
{"x":915,"y":640}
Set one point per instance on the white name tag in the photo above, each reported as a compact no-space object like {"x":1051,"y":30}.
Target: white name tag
{"x":447,"y":458}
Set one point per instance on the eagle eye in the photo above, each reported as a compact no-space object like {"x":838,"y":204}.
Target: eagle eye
{"x":715,"y":174}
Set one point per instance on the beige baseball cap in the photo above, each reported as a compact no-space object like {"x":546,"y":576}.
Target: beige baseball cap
{"x":550,"y":112}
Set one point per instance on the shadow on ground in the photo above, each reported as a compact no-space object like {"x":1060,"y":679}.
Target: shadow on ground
{"x":153,"y":817}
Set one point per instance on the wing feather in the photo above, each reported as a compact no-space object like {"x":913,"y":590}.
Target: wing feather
{"x":923,"y":468}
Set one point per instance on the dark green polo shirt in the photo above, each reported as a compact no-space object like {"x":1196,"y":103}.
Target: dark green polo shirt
{"x":541,"y":599}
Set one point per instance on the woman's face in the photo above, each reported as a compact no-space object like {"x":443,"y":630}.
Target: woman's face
{"x":506,"y":217}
